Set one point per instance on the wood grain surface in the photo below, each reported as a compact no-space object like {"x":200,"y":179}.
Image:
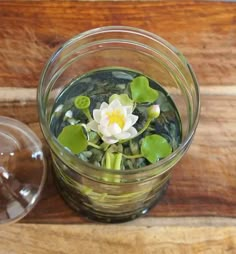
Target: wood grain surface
{"x":30,"y":31}
{"x":203,"y":182}
{"x":198,"y":212}
{"x":55,"y":239}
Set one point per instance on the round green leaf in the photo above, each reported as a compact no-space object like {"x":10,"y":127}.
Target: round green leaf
{"x":141,"y":91}
{"x":155,"y":147}
{"x":123,"y":98}
{"x":73,"y":137}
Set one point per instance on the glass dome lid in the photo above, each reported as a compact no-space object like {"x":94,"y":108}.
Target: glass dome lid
{"x":22,"y":170}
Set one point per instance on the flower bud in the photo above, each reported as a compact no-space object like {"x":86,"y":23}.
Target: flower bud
{"x":153,"y":111}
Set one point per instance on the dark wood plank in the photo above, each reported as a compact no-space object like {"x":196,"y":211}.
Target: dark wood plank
{"x":31,"y":30}
{"x":203,"y":182}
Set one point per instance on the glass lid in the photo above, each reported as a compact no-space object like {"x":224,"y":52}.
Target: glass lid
{"x":22,"y":169}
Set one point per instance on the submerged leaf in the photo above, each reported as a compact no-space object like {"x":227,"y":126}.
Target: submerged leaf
{"x":73,"y":137}
{"x":141,"y":91}
{"x":155,"y":147}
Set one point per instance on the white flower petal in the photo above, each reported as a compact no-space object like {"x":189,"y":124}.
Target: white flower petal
{"x":129,"y":109}
{"x":104,"y":105}
{"x":97,"y":115}
{"x":114,"y":129}
{"x":93,"y":125}
{"x":133,"y":132}
{"x":131,"y":120}
{"x":104,"y":120}
{"x":104,"y":130}
{"x":128,"y":124}
{"x":123,"y":111}
{"x":104,"y":113}
{"x":156,"y":108}
{"x":115,"y":104}
{"x":109,"y":140}
{"x":123,"y":135}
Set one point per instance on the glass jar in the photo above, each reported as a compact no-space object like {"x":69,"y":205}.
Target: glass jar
{"x":83,"y":185}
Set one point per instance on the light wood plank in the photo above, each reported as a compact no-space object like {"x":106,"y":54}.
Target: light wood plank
{"x":26,"y":95}
{"x":98,"y":239}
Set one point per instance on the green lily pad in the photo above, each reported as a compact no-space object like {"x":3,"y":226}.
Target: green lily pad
{"x":155,"y":147}
{"x":141,"y":91}
{"x":73,"y":137}
{"x":123,"y":98}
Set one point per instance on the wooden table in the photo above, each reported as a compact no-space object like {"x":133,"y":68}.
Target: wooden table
{"x":198,"y":213}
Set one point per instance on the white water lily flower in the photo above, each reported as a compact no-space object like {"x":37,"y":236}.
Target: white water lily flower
{"x":114,"y":122}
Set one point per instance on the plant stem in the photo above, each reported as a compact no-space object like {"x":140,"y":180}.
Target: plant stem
{"x":140,"y":132}
{"x":94,"y":145}
{"x":118,"y":159}
{"x":87,"y":113}
{"x":113,"y":161}
{"x":144,"y":127}
{"x":104,"y":146}
{"x":134,"y":156}
{"x":108,"y":160}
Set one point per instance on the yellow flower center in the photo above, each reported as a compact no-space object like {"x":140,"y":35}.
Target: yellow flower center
{"x":117,"y":117}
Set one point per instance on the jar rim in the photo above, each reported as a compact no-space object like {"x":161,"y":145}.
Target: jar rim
{"x":132,"y":30}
